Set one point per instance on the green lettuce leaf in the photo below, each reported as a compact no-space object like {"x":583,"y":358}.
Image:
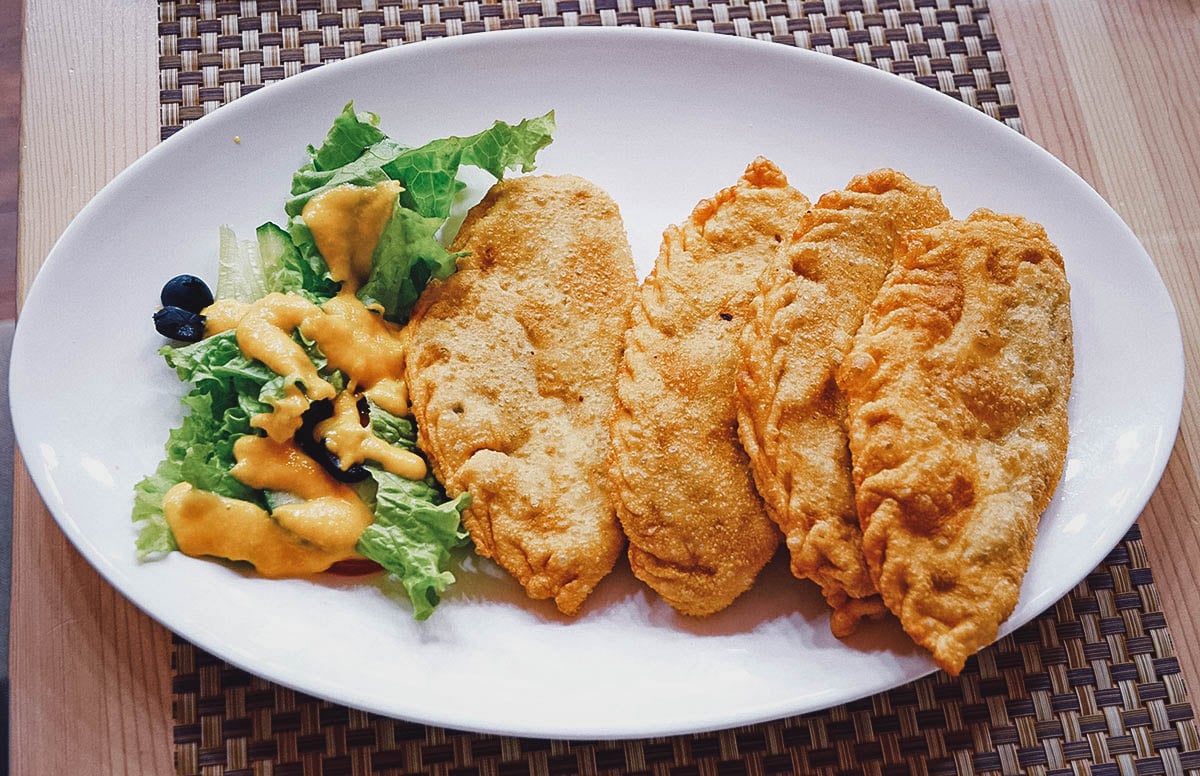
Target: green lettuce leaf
{"x":366,"y":170}
{"x":411,"y":251}
{"x":393,"y":429}
{"x":226,"y":392}
{"x":430,"y":173}
{"x":307,"y":265}
{"x":406,"y":257}
{"x":415,"y":526}
{"x":414,"y":530}
{"x":350,"y":134}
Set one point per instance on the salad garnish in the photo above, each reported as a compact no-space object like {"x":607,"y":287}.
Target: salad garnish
{"x":296,"y":452}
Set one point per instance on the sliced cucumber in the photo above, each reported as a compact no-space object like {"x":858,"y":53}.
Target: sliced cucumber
{"x":277,"y":498}
{"x":276,"y":252}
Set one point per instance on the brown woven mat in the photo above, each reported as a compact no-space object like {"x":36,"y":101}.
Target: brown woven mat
{"x":1090,"y":686}
{"x":213,"y":51}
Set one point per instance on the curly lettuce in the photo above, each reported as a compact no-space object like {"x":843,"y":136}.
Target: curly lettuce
{"x":410,"y":253}
{"x":227,"y":390}
{"x":416,"y":527}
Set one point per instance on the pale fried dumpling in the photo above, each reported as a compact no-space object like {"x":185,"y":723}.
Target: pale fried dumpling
{"x":512,"y":368}
{"x":697,"y":530}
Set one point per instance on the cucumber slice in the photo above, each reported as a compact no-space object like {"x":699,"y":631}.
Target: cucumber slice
{"x":276,"y":252}
{"x":251,"y":269}
{"x":277,"y":498}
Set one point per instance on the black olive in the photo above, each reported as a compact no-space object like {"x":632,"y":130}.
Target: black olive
{"x":179,"y":324}
{"x":186,"y":291}
{"x":318,"y":412}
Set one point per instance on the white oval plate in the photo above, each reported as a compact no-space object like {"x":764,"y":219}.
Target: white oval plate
{"x":660,"y":119}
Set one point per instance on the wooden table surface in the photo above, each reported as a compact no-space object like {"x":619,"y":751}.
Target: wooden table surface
{"x":90,"y":674}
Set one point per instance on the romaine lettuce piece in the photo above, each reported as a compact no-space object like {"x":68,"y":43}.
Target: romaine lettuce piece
{"x":393,"y":429}
{"x":350,"y":134}
{"x":365,"y":170}
{"x":241,"y":275}
{"x":430,"y":173}
{"x":415,"y":526}
{"x":414,"y":530}
{"x":406,"y":257}
{"x":226,"y":392}
{"x":411,"y":250}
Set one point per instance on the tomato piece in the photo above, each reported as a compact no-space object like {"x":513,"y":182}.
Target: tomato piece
{"x":354,"y":567}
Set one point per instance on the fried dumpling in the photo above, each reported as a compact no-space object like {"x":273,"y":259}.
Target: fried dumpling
{"x":698,"y":533}
{"x":811,"y":299}
{"x":957,"y":388}
{"x":511,"y":369}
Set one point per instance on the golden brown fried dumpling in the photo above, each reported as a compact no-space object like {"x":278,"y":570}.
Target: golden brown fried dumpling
{"x":697,"y":530}
{"x":811,"y":299}
{"x":957,"y":390}
{"x":511,"y":369}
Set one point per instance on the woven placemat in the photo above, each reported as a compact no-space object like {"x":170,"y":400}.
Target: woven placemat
{"x":213,"y":51}
{"x":1091,"y":686}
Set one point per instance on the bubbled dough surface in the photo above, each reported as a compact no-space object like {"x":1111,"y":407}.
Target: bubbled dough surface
{"x":812,"y":298}
{"x":957,"y":388}
{"x":511,"y":369}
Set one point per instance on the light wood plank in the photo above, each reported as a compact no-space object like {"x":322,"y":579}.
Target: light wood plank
{"x":90,"y":674}
{"x":1117,"y":102}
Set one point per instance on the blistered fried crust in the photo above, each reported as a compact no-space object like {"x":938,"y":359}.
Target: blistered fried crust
{"x":697,"y":529}
{"x":957,"y":388}
{"x":811,"y":299}
{"x":511,"y":370}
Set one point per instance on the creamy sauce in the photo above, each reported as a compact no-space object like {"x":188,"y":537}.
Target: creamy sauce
{"x":207,"y":524}
{"x":346,"y":222}
{"x":363,"y":345}
{"x":307,"y":536}
{"x":352,"y":443}
{"x":265,"y":334}
{"x":223,"y":315}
